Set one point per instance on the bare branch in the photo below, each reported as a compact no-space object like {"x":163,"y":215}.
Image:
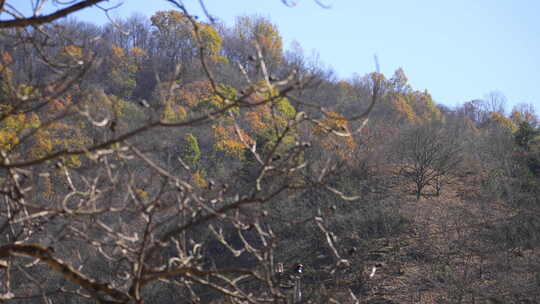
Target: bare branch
{"x":48,"y":18}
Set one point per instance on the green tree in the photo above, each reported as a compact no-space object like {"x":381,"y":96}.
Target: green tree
{"x":525,"y":135}
{"x":192,"y":151}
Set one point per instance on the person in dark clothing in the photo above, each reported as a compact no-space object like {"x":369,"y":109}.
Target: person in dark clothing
{"x":290,"y":279}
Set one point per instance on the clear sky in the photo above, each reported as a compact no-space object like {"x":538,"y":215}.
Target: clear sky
{"x":459,"y":50}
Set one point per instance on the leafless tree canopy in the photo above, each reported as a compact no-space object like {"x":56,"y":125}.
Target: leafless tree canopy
{"x":178,"y":159}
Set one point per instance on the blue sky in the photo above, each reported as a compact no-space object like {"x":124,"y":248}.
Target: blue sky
{"x":459,"y":50}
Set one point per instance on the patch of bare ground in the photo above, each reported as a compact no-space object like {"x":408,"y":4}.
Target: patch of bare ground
{"x":442,"y":259}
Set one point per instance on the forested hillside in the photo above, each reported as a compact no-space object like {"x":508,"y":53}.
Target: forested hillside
{"x":178,"y":159}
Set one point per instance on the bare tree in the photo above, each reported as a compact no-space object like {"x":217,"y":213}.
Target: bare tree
{"x":426,"y":155}
{"x":95,"y":205}
{"x":20,"y":20}
{"x":494,"y":101}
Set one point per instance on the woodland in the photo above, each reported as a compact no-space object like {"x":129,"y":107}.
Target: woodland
{"x":178,"y":159}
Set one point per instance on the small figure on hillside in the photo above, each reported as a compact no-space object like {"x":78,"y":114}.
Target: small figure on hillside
{"x":290,"y":281}
{"x":287,"y":279}
{"x":374,"y":269}
{"x":144,"y":103}
{"x":299,"y":268}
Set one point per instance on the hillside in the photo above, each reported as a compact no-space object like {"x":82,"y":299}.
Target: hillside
{"x":176,"y":159}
